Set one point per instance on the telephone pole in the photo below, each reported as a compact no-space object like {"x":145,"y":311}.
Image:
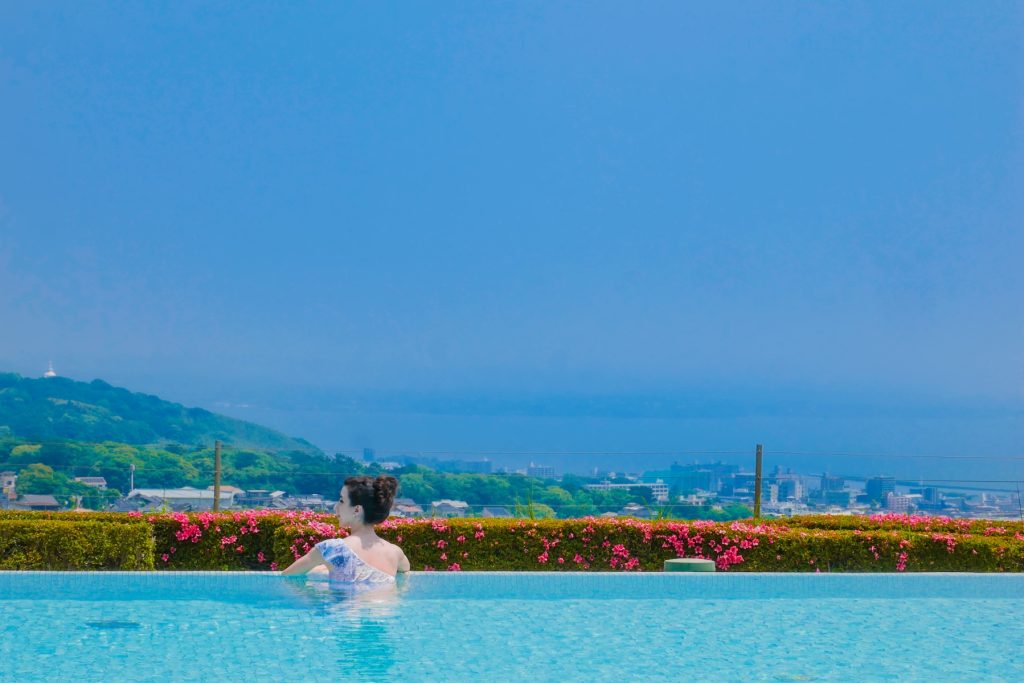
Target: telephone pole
{"x":216,"y":476}
{"x":757,"y":482}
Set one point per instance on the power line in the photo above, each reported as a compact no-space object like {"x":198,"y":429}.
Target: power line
{"x":272,"y":473}
{"x":1019,"y":458}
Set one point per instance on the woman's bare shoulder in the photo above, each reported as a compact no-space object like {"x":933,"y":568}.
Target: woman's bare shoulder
{"x":395,"y":548}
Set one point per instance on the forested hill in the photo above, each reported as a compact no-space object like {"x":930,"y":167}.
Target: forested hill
{"x":58,"y":408}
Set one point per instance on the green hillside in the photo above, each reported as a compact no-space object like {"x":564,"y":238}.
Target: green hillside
{"x":58,"y":408}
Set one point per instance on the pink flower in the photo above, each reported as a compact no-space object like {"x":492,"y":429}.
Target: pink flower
{"x":561,"y":560}
{"x":901,"y":562}
{"x":442,"y":543}
{"x":543,"y":557}
{"x":454,"y":567}
{"x":165,"y":557}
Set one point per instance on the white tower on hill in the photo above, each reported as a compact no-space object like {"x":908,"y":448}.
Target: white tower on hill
{"x":50,"y":371}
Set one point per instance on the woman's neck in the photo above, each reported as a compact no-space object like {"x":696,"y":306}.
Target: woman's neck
{"x":363,"y":531}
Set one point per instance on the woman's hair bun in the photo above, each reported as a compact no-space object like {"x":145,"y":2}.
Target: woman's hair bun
{"x":375,"y":496}
{"x":384,"y":489}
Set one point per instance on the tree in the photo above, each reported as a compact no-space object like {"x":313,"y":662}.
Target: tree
{"x":415,"y":486}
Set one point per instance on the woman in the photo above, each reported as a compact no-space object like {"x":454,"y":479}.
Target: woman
{"x":363,"y":557}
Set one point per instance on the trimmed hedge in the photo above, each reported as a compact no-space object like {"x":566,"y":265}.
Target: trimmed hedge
{"x":633,"y":545}
{"x":272,"y":540}
{"x":65,"y":545}
{"x":902,"y":522}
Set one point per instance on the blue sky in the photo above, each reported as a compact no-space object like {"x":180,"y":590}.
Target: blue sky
{"x":807,"y":212}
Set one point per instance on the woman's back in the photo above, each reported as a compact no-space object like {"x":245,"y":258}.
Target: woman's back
{"x":346,"y":565}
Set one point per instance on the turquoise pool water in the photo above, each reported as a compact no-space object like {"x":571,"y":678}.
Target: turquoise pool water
{"x":512,"y":626}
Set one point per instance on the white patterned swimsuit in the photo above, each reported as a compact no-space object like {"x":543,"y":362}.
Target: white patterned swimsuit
{"x":345,"y":567}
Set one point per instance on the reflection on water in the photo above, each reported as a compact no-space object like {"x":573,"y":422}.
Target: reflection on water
{"x":359,"y":620}
{"x":333,"y":598}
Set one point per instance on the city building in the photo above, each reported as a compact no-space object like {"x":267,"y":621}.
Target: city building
{"x":877,"y":488}
{"x":540,"y":471}
{"x":310,"y":501}
{"x":843,"y":498}
{"x":36,"y":501}
{"x":8,"y":485}
{"x":658,"y":488}
{"x":255,"y":499}
{"x":183,"y":499}
{"x":449,"y":508}
{"x":897,"y":503}
{"x":790,"y":489}
{"x":96,"y":482}
{"x":831,"y":483}
{"x":406,"y":507}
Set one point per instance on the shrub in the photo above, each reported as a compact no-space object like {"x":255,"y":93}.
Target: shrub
{"x":903,"y":522}
{"x":215,"y":541}
{"x":66,"y":516}
{"x":633,"y":545}
{"x":268,"y":539}
{"x":65,"y":545}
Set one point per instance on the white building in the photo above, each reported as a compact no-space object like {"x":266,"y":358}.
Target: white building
{"x":659,"y":489}
{"x":897,"y":503}
{"x":8,"y":481}
{"x":96,"y":482}
{"x":186,"y":498}
{"x":540,"y":471}
{"x":449,"y":508}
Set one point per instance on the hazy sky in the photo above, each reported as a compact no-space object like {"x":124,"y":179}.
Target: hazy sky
{"x":259,"y":204}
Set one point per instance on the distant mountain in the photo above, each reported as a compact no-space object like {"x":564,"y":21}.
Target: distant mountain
{"x":61,"y":408}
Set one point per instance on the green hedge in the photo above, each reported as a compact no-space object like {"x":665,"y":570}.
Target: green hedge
{"x":632,"y":545}
{"x":80,"y":544}
{"x":272,"y":540}
{"x":899,"y":522}
{"x":207,"y":541}
{"x":66,"y":516}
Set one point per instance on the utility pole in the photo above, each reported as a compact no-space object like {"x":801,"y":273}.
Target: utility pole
{"x":757,"y":482}
{"x":131,"y":477}
{"x":216,"y":475}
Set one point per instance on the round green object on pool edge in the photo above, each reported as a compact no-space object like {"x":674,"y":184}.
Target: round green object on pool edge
{"x":689,"y":564}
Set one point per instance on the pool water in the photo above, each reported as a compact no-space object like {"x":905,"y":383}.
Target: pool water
{"x":504,"y":626}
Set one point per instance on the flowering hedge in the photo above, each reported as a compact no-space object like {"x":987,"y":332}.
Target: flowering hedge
{"x":272,"y":540}
{"x":903,"y":522}
{"x":198,"y":541}
{"x":591,"y":544}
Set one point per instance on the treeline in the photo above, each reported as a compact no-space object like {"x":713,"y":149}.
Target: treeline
{"x":50,"y":467}
{"x":59,"y":408}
